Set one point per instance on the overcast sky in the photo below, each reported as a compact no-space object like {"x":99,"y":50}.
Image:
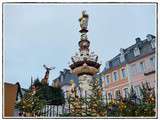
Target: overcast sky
{"x":37,"y":34}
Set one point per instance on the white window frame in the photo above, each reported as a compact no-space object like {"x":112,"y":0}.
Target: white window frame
{"x":114,"y":77}
{"x":107,"y":76}
{"x":141,"y":66}
{"x":123,"y":77}
{"x":136,"y":51}
{"x":134,"y":71}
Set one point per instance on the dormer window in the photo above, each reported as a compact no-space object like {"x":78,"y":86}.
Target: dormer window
{"x":107,"y":65}
{"x":153,"y":43}
{"x":122,"y":58}
{"x":136,"y":51}
{"x":151,"y":38}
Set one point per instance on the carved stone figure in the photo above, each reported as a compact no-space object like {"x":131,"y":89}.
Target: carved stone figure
{"x":84,"y":20}
{"x":46,"y":76}
{"x":84,"y":36}
{"x":48,"y":68}
{"x":93,"y":57}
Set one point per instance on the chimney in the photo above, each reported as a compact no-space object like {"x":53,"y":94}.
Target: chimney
{"x":138,"y":40}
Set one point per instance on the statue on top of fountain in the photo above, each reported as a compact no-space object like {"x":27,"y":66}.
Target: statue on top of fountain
{"x":84,"y":20}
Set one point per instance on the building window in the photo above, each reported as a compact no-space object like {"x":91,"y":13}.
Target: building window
{"x":133,"y":69}
{"x":110,"y":96}
{"x":107,"y":80}
{"x":136,"y":51}
{"x":152,"y":61}
{"x":142,"y":66}
{"x":126,"y":92}
{"x":122,"y":58}
{"x":115,"y":76}
{"x":123,"y":73}
{"x":117,"y":94}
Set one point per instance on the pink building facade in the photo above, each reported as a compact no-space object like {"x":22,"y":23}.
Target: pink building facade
{"x":115,"y":82}
{"x":131,"y":67}
{"x":142,"y":71}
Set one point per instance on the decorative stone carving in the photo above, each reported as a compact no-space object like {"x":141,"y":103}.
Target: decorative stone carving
{"x":46,"y":76}
{"x":85,"y":64}
{"x":93,"y":57}
{"x":84,"y":36}
{"x":48,"y":68}
{"x":75,"y":58}
{"x":84,"y":20}
{"x":84,"y":80}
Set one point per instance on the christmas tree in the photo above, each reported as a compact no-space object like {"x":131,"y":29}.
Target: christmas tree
{"x":30,"y":105}
{"x":76,"y":104}
{"x":132,"y":105}
{"x":88,"y":105}
{"x":96,"y":105}
{"x":147,"y":106}
{"x":75,"y":101}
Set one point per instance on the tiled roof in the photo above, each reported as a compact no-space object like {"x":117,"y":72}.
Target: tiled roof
{"x":67,"y":76}
{"x":144,"y":46}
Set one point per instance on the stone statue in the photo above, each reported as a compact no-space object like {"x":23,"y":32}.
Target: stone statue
{"x":75,"y":58}
{"x":93,"y":57}
{"x":84,"y":20}
{"x":48,"y":68}
{"x":46,"y":76}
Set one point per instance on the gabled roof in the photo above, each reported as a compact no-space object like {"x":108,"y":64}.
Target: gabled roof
{"x":144,"y":47}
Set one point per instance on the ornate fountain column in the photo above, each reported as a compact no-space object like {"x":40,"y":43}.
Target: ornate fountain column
{"x":85,"y":63}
